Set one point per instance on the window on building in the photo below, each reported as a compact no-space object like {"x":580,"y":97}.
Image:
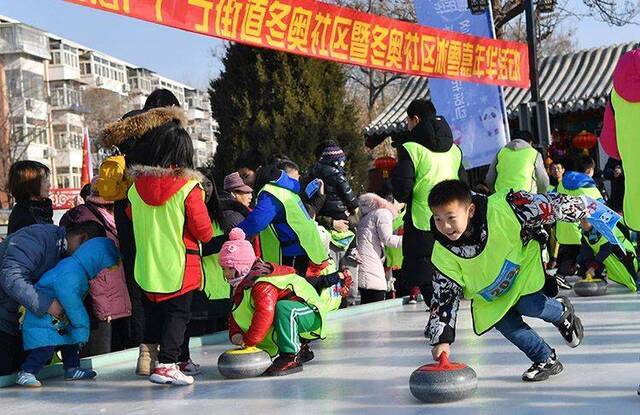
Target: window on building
{"x":76,"y":181}
{"x":60,"y":141}
{"x":55,"y":58}
{"x":85,"y":68}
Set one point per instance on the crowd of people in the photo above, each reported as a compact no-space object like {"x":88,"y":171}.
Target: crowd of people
{"x":157,"y":254}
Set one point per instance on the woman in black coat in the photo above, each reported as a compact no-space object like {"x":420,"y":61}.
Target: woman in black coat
{"x":29,"y":184}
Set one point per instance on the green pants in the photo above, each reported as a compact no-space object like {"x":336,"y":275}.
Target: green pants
{"x":293,"y":318}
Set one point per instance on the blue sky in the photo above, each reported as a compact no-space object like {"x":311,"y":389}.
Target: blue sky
{"x":189,"y":57}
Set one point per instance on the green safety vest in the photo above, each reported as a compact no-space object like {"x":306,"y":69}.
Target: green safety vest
{"x":216,"y":286}
{"x":330,"y":296}
{"x":515,"y":169}
{"x":570,"y":233}
{"x":270,"y":246}
{"x":627,"y":118}
{"x":243,"y":313}
{"x":342,"y":240}
{"x":431,"y":168}
{"x":298,"y":219}
{"x":616,"y":269}
{"x":160,"y":250}
{"x":394,"y":256}
{"x":501,"y":274}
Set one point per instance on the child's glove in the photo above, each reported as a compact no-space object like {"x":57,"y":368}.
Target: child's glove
{"x":345,"y":275}
{"x":237,"y":339}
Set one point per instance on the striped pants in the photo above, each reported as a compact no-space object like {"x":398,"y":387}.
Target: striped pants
{"x":293,"y":318}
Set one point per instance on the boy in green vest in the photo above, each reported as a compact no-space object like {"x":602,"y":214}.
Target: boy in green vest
{"x":598,"y":255}
{"x":489,"y":250}
{"x":574,"y":183}
{"x":273,"y":307}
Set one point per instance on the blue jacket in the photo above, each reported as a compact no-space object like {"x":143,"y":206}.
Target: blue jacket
{"x":24,"y":256}
{"x":68,"y":282}
{"x":573,"y":180}
{"x":269,"y":211}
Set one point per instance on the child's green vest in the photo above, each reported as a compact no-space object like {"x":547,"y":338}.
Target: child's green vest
{"x":243,"y":313}
{"x":616,"y":270}
{"x":501,"y":274}
{"x":570,"y":233}
{"x":216,"y":286}
{"x":394,"y":256}
{"x":160,"y":250}
{"x":431,"y":168}
{"x":627,"y":116}
{"x":302,"y":225}
{"x":515,"y":169}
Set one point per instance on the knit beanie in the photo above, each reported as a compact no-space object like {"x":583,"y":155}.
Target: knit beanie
{"x":237,"y":253}
{"x":332,"y":153}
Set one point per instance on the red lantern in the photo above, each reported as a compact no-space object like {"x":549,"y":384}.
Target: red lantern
{"x":385,"y":165}
{"x":585,"y":141}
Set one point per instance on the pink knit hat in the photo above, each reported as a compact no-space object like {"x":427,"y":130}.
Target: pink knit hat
{"x":237,"y":253}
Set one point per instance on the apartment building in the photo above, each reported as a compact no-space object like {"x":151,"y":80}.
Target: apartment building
{"x":45,"y":79}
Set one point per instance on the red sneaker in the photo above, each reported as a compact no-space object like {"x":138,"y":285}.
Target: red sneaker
{"x":285,"y":364}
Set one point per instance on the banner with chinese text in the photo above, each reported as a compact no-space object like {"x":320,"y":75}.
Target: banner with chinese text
{"x":475,"y":112}
{"x":340,"y":34}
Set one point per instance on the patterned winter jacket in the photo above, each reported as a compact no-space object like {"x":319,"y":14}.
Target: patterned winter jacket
{"x":532,"y":210}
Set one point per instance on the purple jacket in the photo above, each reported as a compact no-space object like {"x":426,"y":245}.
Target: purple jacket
{"x":108,"y":290}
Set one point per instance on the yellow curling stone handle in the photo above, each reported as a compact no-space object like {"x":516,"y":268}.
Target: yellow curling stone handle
{"x":244,"y":350}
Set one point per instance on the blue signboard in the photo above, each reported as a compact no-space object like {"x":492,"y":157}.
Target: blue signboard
{"x":475,"y":112}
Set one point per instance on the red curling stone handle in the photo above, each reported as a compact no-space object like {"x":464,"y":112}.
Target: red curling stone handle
{"x":443,"y":365}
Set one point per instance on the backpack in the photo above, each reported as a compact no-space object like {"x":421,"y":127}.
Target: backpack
{"x":112,"y":183}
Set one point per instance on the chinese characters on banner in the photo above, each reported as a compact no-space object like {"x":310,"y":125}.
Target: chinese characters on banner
{"x":475,"y":112}
{"x":340,"y":34}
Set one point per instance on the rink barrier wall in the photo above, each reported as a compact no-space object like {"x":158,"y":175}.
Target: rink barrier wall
{"x":131,"y":355}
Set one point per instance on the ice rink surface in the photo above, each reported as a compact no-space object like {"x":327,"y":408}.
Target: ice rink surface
{"x":364,"y":366}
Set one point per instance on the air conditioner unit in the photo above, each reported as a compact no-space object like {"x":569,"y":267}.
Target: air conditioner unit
{"x":49,"y":152}
{"x":126,"y":88}
{"x":99,"y":81}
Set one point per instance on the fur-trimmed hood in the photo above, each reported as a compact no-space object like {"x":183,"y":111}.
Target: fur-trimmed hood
{"x":369,"y":202}
{"x":138,"y":125}
{"x":156,"y":185}
{"x":138,"y":170}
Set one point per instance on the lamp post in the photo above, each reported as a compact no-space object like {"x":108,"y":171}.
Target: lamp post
{"x":539,"y":107}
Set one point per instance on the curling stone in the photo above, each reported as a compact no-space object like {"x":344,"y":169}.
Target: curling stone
{"x":590,"y":287}
{"x":572,"y":279}
{"x":243,"y":363}
{"x":443,"y":382}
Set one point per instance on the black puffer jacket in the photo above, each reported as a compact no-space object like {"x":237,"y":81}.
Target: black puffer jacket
{"x":435,"y":134}
{"x":233,"y":213}
{"x":30,"y":212}
{"x":339,"y":197}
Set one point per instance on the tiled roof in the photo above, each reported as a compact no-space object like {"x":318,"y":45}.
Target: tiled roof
{"x":573,"y":82}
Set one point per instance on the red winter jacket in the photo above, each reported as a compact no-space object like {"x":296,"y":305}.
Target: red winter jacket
{"x":264,"y":296}
{"x":156,"y":186}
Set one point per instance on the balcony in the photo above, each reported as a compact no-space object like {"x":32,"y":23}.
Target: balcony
{"x":21,"y":39}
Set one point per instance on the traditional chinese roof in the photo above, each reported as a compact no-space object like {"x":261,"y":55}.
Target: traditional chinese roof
{"x":573,"y":82}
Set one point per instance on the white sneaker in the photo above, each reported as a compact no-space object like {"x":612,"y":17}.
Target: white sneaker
{"x":189,"y":368}
{"x":169,"y":374}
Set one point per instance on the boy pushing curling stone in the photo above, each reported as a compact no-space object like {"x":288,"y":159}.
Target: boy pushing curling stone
{"x":488,"y":250}
{"x":272,"y":306}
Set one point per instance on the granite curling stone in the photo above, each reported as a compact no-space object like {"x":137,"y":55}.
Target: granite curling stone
{"x":443,"y":381}
{"x":243,"y":363}
{"x":590,"y":287}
